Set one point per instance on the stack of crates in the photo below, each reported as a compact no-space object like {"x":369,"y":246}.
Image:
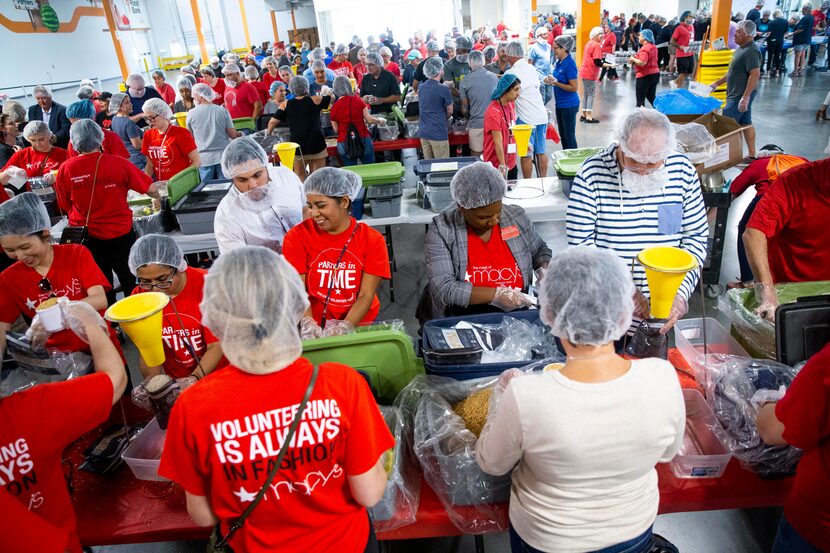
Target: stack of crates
{"x":383,"y":185}
{"x":434,"y":177}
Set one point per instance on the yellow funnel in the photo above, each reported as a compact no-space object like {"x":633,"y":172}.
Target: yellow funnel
{"x":181,"y":118}
{"x":522,"y":135}
{"x":286,"y":151}
{"x":666,"y":267}
{"x":140,"y":316}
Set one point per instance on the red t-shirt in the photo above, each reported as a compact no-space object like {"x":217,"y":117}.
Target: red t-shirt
{"x":36,"y":164}
{"x":818,"y":18}
{"x":23,"y":530}
{"x":359,"y":72}
{"x":499,"y":118}
{"x":589,"y":69}
{"x":72,"y":274}
{"x":219,"y":89}
{"x":804,"y":413}
{"x":4,"y":196}
{"x":220,"y":448}
{"x":609,"y":43}
{"x":109,"y":215}
{"x":341,"y":68}
{"x":269,"y":80}
{"x":35,"y":427}
{"x":757,"y":174}
{"x":167,"y":94}
{"x":683,"y":35}
{"x":313,"y":252}
{"x":168,"y":151}
{"x":240,"y":100}
{"x":262,"y":90}
{"x":648,"y":54}
{"x":178,"y":362}
{"x":346,"y":110}
{"x":793,"y":215}
{"x":491,"y":264}
{"x":395,"y":69}
{"x":112,"y":145}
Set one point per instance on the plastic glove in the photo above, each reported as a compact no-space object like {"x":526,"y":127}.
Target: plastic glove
{"x":503,"y":170}
{"x":309,"y":329}
{"x":508,"y":299}
{"x":679,"y":307}
{"x":80,"y":317}
{"x":539,"y":273}
{"x":49,"y":179}
{"x":713,"y":87}
{"x":37,"y":335}
{"x":767,"y":299}
{"x":338,"y":328}
{"x":760,"y":397}
{"x":186,"y":382}
{"x":326,"y":91}
{"x":139,"y":395}
{"x":743,"y":105}
{"x":642,"y":307}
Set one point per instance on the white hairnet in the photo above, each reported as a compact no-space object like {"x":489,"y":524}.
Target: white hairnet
{"x":646,"y":136}
{"x":433,"y":67}
{"x":341,"y":50}
{"x":477,"y":185}
{"x":342,"y":86}
{"x":15,"y":110}
{"x":385,"y":51}
{"x":432,"y":46}
{"x":23,"y":214}
{"x":159,"y":73}
{"x":204,"y":91}
{"x":748,"y":26}
{"x":595,"y":32}
{"x":156,"y":249}
{"x":298,"y":86}
{"x":476,"y":59}
{"x":565,"y":41}
{"x":86,"y":136}
{"x":253,"y":301}
{"x":318,"y":54}
{"x":230,"y":68}
{"x":242,"y":155}
{"x":184,"y":82}
{"x":514,"y":49}
{"x":115,"y":103}
{"x":187,"y":70}
{"x":318,"y":65}
{"x":251,"y":73}
{"x":374,"y":57}
{"x":33,"y":128}
{"x":135,"y":81}
{"x":85,"y":93}
{"x":157,"y":106}
{"x":334,"y":183}
{"x":586,"y":296}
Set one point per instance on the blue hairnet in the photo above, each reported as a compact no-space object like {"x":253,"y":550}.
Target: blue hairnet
{"x":82,"y":109}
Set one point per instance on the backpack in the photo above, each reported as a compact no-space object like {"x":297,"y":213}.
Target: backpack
{"x":354,"y":145}
{"x":780,"y":163}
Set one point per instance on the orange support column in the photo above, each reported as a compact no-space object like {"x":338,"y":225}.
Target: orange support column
{"x":294,"y":22}
{"x":721,"y":15}
{"x":274,"y":26}
{"x":197,"y":21}
{"x":116,"y":42}
{"x":587,"y":17}
{"x":245,"y":24}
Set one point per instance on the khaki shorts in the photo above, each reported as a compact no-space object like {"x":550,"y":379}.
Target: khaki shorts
{"x":435,"y":149}
{"x":476,"y":139}
{"x":319,"y":155}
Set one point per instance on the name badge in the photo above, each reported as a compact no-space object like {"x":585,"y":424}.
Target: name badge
{"x":509,"y":232}
{"x":511,"y":148}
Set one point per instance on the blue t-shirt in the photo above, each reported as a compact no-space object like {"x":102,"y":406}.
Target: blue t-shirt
{"x":433,"y":99}
{"x":805,"y":24}
{"x":309,"y":74}
{"x":314,"y":88}
{"x":565,"y":72}
{"x":540,"y":58}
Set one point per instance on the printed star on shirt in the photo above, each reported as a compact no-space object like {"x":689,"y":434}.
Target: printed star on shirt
{"x":244,"y":495}
{"x":30,"y":304}
{"x":467,"y":276}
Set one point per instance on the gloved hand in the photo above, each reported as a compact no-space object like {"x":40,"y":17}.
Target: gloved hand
{"x":679,"y":308}
{"x":186,"y":382}
{"x":713,"y":87}
{"x":309,"y":329}
{"x":760,"y":397}
{"x":81,"y":317}
{"x":503,"y":170}
{"x":539,"y":273}
{"x":139,"y":395}
{"x":767,"y":299}
{"x":743,"y":105}
{"x":338,"y":328}
{"x":37,"y":335}
{"x":49,"y":179}
{"x":642,"y":308}
{"x":508,"y":299}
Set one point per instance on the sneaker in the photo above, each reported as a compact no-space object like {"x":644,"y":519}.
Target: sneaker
{"x":592,"y":120}
{"x":581,"y":118}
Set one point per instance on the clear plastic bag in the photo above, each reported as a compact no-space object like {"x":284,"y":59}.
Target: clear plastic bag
{"x":411,"y":129}
{"x":149,"y":224}
{"x":523,"y":341}
{"x":696,"y":142}
{"x":35,"y":368}
{"x":459,"y":127}
{"x":267,"y":142}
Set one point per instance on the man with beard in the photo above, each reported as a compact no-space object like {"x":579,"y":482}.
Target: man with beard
{"x":263,"y":204}
{"x":638,"y":193}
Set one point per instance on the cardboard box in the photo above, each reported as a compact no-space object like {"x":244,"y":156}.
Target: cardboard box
{"x":729,"y":138}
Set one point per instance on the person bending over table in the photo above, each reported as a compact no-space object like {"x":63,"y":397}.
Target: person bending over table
{"x":480,"y":254}
{"x":341,"y":261}
{"x":379,"y":88}
{"x":37,"y":160}
{"x":263,"y":204}
{"x":190,"y":350}
{"x":37,"y":511}
{"x":350,"y":110}
{"x":564,"y":494}
{"x":169,"y":149}
{"x":253,"y":302}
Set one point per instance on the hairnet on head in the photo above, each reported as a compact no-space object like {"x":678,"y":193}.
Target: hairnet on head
{"x":156,"y":249}
{"x":476,"y":59}
{"x":286,"y":68}
{"x":318,"y":54}
{"x":477,"y":185}
{"x":463,"y":43}
{"x":566,"y":42}
{"x":85,"y":93}
{"x":374,"y":57}
{"x":15,"y":110}
{"x":86,"y":136}
{"x":503,"y":85}
{"x":647,"y":35}
{"x":230,"y":69}
{"x":334,"y":183}
{"x":385,"y":51}
{"x":253,"y":300}
{"x":23,"y":214}
{"x":595,"y":32}
{"x":204,"y":91}
{"x":433,"y":67}
{"x":115,"y":103}
{"x":298,"y":86}
{"x":242,"y":155}
{"x":184,"y":82}
{"x":209,"y":71}
{"x":269,"y":60}
{"x":748,"y":27}
{"x":86,"y":82}
{"x":135,"y":81}
{"x":586,"y":296}
{"x":414,"y":55}
{"x":82,"y":109}
{"x":432,"y":46}
{"x":646,"y":136}
{"x":159,"y":73}
{"x":157,"y":106}
{"x":514,"y":49}
{"x":341,"y":50}
{"x":33,"y":128}
{"x":318,"y":65}
{"x":342,"y":86}
{"x":276,"y":85}
{"x":251,"y":73}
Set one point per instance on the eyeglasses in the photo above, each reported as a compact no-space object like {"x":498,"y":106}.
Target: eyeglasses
{"x":45,"y":286}
{"x":150,"y":118}
{"x":160,"y":284}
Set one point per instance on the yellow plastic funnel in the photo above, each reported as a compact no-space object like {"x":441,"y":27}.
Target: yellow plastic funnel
{"x":140,"y":316}
{"x":522,"y":135}
{"x":666,"y":267}
{"x":286,"y":151}
{"x":181,"y":118}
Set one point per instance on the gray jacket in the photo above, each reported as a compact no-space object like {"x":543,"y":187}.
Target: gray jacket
{"x":446,"y":257}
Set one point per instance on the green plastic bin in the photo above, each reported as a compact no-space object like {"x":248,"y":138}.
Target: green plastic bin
{"x":243,"y":123}
{"x":373,"y":174}
{"x":385,"y":357}
{"x":567,"y":164}
{"x":182,"y":183}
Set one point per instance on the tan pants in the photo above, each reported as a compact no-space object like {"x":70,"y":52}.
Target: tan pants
{"x":435,"y":149}
{"x":476,"y":139}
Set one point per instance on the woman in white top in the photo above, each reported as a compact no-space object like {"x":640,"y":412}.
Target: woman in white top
{"x":587,"y":437}
{"x":263,"y":204}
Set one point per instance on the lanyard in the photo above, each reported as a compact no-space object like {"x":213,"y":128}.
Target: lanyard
{"x":333,"y":275}
{"x":509,"y":132}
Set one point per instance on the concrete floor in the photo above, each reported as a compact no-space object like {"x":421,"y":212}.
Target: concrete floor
{"x":784,"y":114}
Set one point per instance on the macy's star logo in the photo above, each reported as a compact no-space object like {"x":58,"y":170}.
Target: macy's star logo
{"x":244,"y":495}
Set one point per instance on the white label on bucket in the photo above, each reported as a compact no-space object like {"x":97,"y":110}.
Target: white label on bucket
{"x":691,"y":333}
{"x":721,"y":157}
{"x":444,"y":166}
{"x":511,"y":149}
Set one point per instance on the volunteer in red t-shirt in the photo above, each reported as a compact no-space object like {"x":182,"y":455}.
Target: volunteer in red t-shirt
{"x":226,"y":430}
{"x":499,"y":143}
{"x":32,"y":440}
{"x":800,"y":418}
{"x":272,"y":72}
{"x":787,"y":236}
{"x":589,"y":73}
{"x":252,"y":76}
{"x":164,"y":89}
{"x":216,"y":83}
{"x":609,"y":46}
{"x":350,"y":110}
{"x":340,"y":64}
{"x":341,"y":261}
{"x":42,"y":271}
{"x":360,"y":68}
{"x":169,"y":149}
{"x":39,"y":159}
{"x":83,"y":109}
{"x":189,"y":348}
{"x":241,"y":99}
{"x":389,"y":65}
{"x":681,"y":38}
{"x":646,"y":71}
{"x":480,"y":254}
{"x":92,"y":189}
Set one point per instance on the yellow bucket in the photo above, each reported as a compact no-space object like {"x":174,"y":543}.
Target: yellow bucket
{"x":522,"y":135}
{"x":140,"y":316}
{"x":354,"y":83}
{"x":294,"y":69}
{"x":181,"y":118}
{"x":665,"y":267}
{"x":286,"y":151}
{"x":122,"y":87}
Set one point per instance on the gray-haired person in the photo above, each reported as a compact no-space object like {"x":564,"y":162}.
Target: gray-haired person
{"x":379,"y":87}
{"x":476,"y":89}
{"x":51,"y":113}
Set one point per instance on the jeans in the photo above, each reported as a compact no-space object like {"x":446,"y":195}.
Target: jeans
{"x":589,"y":88}
{"x":788,"y":540}
{"x":743,"y":262}
{"x":646,"y":89}
{"x":367,"y":157}
{"x":566,"y":119}
{"x":547,"y":93}
{"x":730,"y":109}
{"x":211,"y":172}
{"x":640,"y":544}
{"x":112,"y":256}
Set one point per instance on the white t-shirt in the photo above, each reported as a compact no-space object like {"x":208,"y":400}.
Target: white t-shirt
{"x":529,"y":105}
{"x":586,"y":453}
